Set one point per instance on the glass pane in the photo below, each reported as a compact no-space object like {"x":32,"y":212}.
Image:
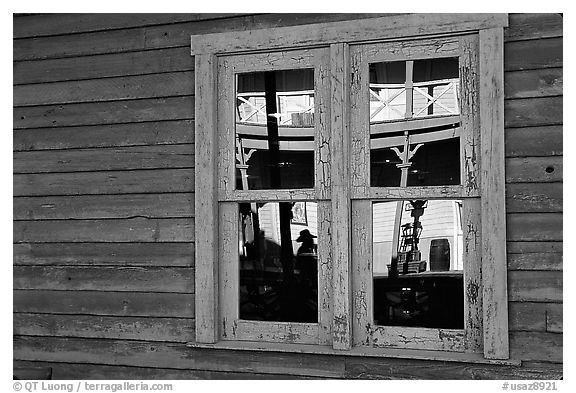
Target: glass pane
{"x":418,"y":263}
{"x":415,"y":123}
{"x":279,"y":261}
{"x":275,"y":130}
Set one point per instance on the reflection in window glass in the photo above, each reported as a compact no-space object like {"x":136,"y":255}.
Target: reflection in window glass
{"x":278,"y":261}
{"x":415,"y":123}
{"x":418,"y":263}
{"x":275,"y":130}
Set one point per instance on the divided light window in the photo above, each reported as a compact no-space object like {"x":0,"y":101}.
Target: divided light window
{"x":350,"y":188}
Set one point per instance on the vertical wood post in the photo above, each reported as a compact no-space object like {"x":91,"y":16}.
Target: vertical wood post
{"x":494,"y":274}
{"x":342,"y":328}
{"x":206,"y":204}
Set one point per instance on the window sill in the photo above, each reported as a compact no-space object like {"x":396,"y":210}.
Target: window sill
{"x":357,"y":351}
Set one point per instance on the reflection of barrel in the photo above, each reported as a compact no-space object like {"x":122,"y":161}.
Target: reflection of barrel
{"x":439,"y":255}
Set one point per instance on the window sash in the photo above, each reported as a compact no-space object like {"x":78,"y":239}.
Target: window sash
{"x":231,"y":326}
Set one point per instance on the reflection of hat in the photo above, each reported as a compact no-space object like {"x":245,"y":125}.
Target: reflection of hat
{"x":305,"y":235}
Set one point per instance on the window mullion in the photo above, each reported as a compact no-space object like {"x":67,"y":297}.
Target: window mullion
{"x":340,"y":170}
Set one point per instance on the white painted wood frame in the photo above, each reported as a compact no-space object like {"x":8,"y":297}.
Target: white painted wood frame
{"x":231,"y":327}
{"x":477,"y":39}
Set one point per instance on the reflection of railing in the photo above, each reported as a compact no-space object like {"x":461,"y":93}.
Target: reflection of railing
{"x":286,"y":102}
{"x":388,"y":97}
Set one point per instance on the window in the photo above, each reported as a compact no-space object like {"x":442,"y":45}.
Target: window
{"x":349,"y":185}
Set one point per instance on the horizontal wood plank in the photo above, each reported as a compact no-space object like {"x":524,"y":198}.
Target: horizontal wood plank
{"x":89,"y":326}
{"x":104,"y":206}
{"x":138,"y":229}
{"x":535,"y":317}
{"x":534,"y":197}
{"x":534,"y":141}
{"x":534,"y":226}
{"x":112,"y":135}
{"x":115,"y":182}
{"x":535,"y":286}
{"x":107,"y":159}
{"x":75,"y":371}
{"x":535,"y":261}
{"x":530,"y":247}
{"x":55,"y":24}
{"x":530,"y":26}
{"x":113,"y":254}
{"x":152,"y":354}
{"x":533,"y":83}
{"x":103,"y":66}
{"x":99,"y":113}
{"x":533,"y":54}
{"x":135,"y":304}
{"x":392,"y":369}
{"x":86,"y":278}
{"x":534,"y":169}
{"x":107,"y":89}
{"x":529,"y":112}
{"x":156,"y":37}
{"x":533,"y":346}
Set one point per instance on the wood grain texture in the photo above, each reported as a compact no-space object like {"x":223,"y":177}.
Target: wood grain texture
{"x":117,"y":158}
{"x":533,"y":26}
{"x":103,"y":66}
{"x":533,"y":54}
{"x":56,"y":24}
{"x":340,"y":171}
{"x":115,"y":182}
{"x":535,"y":286}
{"x":99,"y":302}
{"x":534,"y":247}
{"x":177,"y":356}
{"x":533,"y":83}
{"x":87,"y":278}
{"x":206,"y":206}
{"x":107,"y":89}
{"x":535,"y":261}
{"x":79,"y":371}
{"x":106,"y":254}
{"x":534,"y":197}
{"x":112,"y":135}
{"x":534,"y":227}
{"x":536,"y":346}
{"x":104,"y":206}
{"x":534,"y":169}
{"x":493,"y":218}
{"x":530,"y":112}
{"x":393,"y":369}
{"x":137,"y":229}
{"x":127,"y":111}
{"x":534,"y":141}
{"x":391,"y":26}
{"x":156,"y":37}
{"x":535,"y":317}
{"x":125,"y":328}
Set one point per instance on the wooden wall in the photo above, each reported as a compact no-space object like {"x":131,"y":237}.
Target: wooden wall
{"x":104,"y":204}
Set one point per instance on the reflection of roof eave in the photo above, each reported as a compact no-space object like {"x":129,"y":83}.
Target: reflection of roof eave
{"x":260,"y":144}
{"x":380,"y":143}
{"x":400,"y":125}
{"x":260,"y":130}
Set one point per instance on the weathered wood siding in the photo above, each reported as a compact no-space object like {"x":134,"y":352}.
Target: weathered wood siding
{"x":104,"y":203}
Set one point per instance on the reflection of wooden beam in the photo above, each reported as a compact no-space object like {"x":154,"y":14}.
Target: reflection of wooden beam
{"x":381,"y":143}
{"x":412,"y":124}
{"x":284,"y":145}
{"x":248,"y":130}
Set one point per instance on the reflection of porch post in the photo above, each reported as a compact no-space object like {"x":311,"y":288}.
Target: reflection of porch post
{"x":404,"y":166}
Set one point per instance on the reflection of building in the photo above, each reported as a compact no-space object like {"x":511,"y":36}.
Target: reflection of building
{"x":441,"y":220}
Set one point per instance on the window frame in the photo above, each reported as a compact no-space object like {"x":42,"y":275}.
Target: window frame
{"x":231,"y":326}
{"x":338,"y":36}
{"x":468,"y":339}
